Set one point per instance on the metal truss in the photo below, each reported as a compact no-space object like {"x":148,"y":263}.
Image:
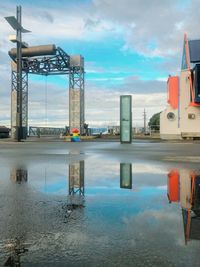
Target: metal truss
{"x":15,"y":110}
{"x":48,"y":65}
{"x":58,"y":64}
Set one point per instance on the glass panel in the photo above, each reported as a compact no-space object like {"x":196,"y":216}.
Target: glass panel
{"x":125,"y":119}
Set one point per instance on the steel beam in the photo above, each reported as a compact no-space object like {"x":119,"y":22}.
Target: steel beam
{"x":57,"y":63}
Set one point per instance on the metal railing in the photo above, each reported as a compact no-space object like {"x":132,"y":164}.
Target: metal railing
{"x":46,"y":131}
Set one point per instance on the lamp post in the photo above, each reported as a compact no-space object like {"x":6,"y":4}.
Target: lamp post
{"x":15,"y":23}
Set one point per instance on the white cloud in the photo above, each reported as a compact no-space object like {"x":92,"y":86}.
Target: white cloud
{"x":149,"y":168}
{"x":104,"y":107}
{"x":51,"y":108}
{"x":144,"y":21}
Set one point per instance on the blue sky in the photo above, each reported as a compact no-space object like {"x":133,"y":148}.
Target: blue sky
{"x":130,"y":47}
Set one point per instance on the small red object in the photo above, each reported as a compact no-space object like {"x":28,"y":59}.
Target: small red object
{"x":75,"y":130}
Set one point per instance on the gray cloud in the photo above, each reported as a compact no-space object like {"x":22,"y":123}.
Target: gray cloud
{"x":145,"y":23}
{"x":48,"y":17}
{"x":136,"y":85}
{"x":89,"y":23}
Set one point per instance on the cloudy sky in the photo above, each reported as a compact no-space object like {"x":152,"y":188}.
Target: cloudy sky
{"x":129,"y":46}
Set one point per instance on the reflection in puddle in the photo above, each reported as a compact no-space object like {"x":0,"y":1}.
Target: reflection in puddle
{"x":126,"y":175}
{"x":15,"y":250}
{"x":184,"y":187}
{"x":75,"y":198}
{"x":76,"y":178}
{"x":80,"y":211}
{"x":19,"y":175}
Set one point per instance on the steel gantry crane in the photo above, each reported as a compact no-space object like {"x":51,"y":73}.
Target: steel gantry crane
{"x":42,"y":60}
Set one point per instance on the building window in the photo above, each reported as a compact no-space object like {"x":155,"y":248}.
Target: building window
{"x":191,"y":116}
{"x":171,"y":116}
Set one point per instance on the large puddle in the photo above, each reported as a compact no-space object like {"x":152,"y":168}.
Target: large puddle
{"x":90,"y":210}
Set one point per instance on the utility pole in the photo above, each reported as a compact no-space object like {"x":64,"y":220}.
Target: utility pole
{"x":145,"y":119}
{"x":19,"y":75}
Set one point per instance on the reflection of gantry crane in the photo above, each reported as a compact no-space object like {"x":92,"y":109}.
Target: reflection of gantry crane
{"x":19,"y":175}
{"x":48,"y":60}
{"x":15,"y":246}
{"x":184,"y":186}
{"x":76,"y":186}
{"x":16,"y":250}
{"x":76,"y":178}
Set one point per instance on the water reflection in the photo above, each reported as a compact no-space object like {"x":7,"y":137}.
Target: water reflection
{"x":184,"y":187}
{"x":15,"y":247}
{"x":19,"y":175}
{"x":76,"y":178}
{"x":75,"y":198}
{"x":126,"y":175}
{"x":86,"y":213}
{"x":15,"y":250}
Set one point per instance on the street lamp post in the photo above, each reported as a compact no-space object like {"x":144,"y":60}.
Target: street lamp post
{"x":15,"y":23}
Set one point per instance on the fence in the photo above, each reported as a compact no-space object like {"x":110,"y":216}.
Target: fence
{"x":46,"y":131}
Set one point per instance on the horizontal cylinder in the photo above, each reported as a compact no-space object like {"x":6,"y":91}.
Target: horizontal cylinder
{"x":33,"y":51}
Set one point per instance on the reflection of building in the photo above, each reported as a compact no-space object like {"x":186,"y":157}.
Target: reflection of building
{"x":184,"y":186}
{"x":126,"y":175}
{"x":19,"y":175}
{"x":173,"y":186}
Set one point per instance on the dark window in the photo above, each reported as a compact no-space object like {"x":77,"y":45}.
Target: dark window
{"x":184,"y":62}
{"x":171,"y":116}
{"x":194,"y":50}
{"x":197,"y":83}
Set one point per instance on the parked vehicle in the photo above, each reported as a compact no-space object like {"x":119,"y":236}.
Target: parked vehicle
{"x":4,"y":132}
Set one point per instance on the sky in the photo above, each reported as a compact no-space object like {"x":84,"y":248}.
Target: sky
{"x":129,"y":47}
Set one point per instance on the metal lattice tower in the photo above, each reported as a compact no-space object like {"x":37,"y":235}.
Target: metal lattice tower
{"x":76,"y":94}
{"x":15,"y":104}
{"x":48,"y":60}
